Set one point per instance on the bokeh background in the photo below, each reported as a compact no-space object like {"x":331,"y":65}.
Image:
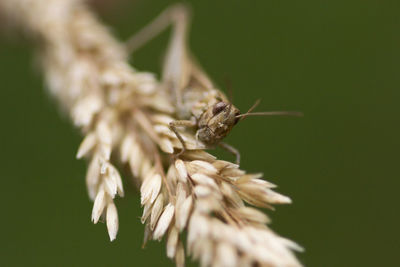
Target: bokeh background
{"x":337,"y":61}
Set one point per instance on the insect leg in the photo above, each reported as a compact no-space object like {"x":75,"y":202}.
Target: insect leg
{"x":174,"y":124}
{"x":173,"y":15}
{"x":231,"y":150}
{"x":176,"y":68}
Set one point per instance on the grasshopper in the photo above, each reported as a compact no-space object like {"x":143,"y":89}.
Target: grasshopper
{"x":199,"y":104}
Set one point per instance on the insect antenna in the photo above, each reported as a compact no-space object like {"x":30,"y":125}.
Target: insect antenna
{"x":228,"y":84}
{"x":271,"y":113}
{"x":267,"y":113}
{"x":253,"y":106}
{"x":250,"y":110}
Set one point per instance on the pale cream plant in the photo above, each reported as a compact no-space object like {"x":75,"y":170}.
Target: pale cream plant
{"x":124,"y":117}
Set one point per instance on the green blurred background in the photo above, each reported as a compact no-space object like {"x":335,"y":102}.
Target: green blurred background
{"x":337,"y":61}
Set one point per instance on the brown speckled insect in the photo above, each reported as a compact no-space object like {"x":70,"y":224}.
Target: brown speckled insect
{"x":199,"y":104}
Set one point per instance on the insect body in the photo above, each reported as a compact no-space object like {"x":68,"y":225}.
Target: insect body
{"x":198,"y":103}
{"x":210,"y":114}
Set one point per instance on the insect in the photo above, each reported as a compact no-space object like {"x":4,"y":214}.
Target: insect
{"x":199,"y":104}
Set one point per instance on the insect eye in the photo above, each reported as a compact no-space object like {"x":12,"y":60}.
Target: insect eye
{"x":220,"y":106}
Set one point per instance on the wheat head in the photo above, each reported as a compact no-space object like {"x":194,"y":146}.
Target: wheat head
{"x":124,"y":118}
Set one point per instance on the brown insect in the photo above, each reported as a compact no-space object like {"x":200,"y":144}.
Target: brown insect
{"x":199,"y":104}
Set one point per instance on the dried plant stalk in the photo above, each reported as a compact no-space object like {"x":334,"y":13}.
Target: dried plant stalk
{"x":122,"y":112}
